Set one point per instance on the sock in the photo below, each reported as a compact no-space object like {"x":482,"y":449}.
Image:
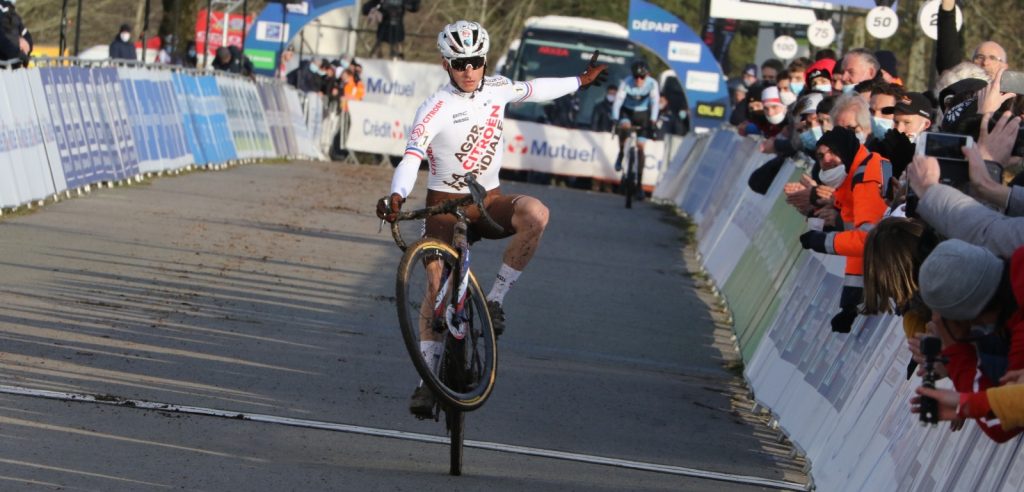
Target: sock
{"x":507,"y":276}
{"x":431,"y":352}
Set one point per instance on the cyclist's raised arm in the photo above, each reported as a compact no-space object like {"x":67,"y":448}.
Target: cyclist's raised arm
{"x":538,"y":90}
{"x":620,"y":97}
{"x":429,"y":121}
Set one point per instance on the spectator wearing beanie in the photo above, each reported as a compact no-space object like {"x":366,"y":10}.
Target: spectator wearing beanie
{"x":974,"y":300}
{"x":857,"y":177}
{"x":755,"y":112}
{"x":775,"y":120}
{"x":819,"y":76}
{"x":890,"y":72}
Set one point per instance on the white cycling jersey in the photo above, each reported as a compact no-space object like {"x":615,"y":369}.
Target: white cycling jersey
{"x":460,"y":133}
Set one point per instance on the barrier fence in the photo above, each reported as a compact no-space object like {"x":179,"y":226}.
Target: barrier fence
{"x":843,"y":399}
{"x":69,"y":126}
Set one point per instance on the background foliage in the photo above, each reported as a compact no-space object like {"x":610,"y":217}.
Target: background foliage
{"x":998,"y":20}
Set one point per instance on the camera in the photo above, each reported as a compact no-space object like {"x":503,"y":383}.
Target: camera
{"x":931,"y":348}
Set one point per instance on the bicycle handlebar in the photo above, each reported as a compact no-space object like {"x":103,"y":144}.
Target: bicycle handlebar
{"x":477,"y":193}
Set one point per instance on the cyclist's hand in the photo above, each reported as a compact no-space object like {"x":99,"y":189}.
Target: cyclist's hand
{"x":389,"y":206}
{"x":595,"y":73}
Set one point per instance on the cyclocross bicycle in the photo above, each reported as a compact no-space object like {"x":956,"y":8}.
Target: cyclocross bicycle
{"x":629,"y":183}
{"x":438,"y":297}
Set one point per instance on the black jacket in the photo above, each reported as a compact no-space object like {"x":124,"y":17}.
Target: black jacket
{"x":12,"y":29}
{"x":948,"y":47}
{"x":601,"y":118}
{"x":122,"y":50}
{"x":391,"y":28}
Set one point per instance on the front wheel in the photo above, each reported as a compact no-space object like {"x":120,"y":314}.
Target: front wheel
{"x":629,"y":181}
{"x":424,"y":291}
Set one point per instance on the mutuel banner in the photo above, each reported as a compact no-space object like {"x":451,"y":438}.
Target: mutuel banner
{"x":400,"y":83}
{"x":526,"y":146}
{"x":685,"y":52}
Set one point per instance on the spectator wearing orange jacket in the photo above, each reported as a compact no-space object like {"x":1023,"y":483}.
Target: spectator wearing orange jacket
{"x":858,"y":177}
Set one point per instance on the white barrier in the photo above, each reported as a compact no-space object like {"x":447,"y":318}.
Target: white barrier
{"x":842,"y":398}
{"x":66,"y":127}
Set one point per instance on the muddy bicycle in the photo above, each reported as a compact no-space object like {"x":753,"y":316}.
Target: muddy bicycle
{"x":439,"y":299}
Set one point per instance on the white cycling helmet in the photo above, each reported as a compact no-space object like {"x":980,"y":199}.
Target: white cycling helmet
{"x":463,"y":39}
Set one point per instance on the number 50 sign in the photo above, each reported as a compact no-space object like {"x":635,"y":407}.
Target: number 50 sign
{"x":882,"y":22}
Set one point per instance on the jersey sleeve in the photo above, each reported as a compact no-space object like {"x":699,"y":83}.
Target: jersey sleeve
{"x":427,"y":124}
{"x":655,"y":98}
{"x":542,"y":89}
{"x":620,"y":98}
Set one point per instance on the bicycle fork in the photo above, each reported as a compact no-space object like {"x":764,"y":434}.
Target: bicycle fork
{"x":455,"y":312}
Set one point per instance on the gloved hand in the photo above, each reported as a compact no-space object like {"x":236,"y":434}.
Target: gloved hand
{"x":814,"y":240}
{"x":389,"y":206}
{"x":898,"y":149}
{"x":595,"y":73}
{"x":843,"y":322}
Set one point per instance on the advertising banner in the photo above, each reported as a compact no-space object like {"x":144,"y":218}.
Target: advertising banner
{"x":527,"y":146}
{"x":47,"y":129}
{"x":21,"y":141}
{"x":685,"y":53}
{"x":236,"y":28}
{"x":246,"y":118}
{"x":401,"y":84}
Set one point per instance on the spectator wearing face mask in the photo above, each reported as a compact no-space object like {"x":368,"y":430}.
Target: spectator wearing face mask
{"x":819,"y":77}
{"x":786,"y":93}
{"x":121,"y":48}
{"x":767,"y":116}
{"x":601,"y":116}
{"x":668,"y":120}
{"x":858,"y":65}
{"x":797,"y":78}
{"x":858,"y":177}
{"x":191,"y":58}
{"x":770,"y":70}
{"x":852,"y":112}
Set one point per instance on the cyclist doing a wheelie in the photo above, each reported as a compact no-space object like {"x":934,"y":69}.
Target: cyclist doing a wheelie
{"x":636,"y":105}
{"x":459,"y":130}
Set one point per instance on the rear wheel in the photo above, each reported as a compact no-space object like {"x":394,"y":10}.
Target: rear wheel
{"x":424,"y":291}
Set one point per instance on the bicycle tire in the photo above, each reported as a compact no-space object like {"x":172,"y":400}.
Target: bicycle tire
{"x":412,"y":287}
{"x":627,"y":187}
{"x":456,"y":420}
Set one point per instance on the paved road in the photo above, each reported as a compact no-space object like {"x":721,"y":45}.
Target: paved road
{"x":267,"y":290}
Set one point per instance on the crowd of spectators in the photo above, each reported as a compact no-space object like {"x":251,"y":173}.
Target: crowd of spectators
{"x":930,"y":228}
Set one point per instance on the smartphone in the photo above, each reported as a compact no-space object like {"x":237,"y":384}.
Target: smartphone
{"x":943,"y":145}
{"x":1012,"y":82}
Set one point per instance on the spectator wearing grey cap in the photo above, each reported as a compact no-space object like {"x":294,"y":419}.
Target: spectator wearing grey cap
{"x":975,"y":299}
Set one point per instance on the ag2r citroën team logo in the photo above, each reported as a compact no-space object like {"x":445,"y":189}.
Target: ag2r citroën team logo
{"x":520,"y":142}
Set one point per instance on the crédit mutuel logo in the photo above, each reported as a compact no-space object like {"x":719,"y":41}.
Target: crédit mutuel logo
{"x":543,"y":148}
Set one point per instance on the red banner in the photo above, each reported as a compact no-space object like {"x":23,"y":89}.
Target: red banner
{"x":235,"y":33}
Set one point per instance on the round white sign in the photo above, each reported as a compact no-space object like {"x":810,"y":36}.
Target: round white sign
{"x":882,"y":22}
{"x":821,"y":33}
{"x":928,"y":17}
{"x":784,"y":47}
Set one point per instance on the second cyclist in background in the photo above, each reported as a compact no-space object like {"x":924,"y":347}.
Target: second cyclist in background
{"x":636,"y":104}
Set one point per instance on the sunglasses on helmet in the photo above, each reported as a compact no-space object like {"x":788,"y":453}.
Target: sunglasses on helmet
{"x":462,"y":64}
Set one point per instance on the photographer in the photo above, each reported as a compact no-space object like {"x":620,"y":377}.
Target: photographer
{"x":956,"y":215}
{"x":1004,"y":403}
{"x":975,"y":297}
{"x":858,"y":178}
